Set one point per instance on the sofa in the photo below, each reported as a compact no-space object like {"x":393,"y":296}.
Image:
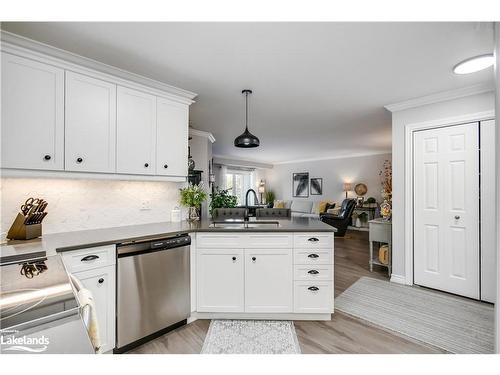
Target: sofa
{"x":305,"y":208}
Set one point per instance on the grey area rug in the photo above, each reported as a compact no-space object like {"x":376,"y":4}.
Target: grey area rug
{"x":251,"y":337}
{"x":455,"y":324}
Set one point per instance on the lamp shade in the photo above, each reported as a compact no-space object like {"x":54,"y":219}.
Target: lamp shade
{"x":347,"y":186}
{"x":262,"y":187}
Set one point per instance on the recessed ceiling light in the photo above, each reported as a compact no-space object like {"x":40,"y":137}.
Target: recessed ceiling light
{"x":474,"y":64}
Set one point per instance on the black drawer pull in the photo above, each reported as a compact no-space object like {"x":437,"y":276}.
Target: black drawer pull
{"x":313,"y":272}
{"x":254,"y":259}
{"x":146,"y":165}
{"x":234,"y":259}
{"x":313,"y":256}
{"x":313,"y":239}
{"x":101,"y":280}
{"x":79,"y":160}
{"x":313,"y":288}
{"x":165,"y":166}
{"x":88,"y":258}
{"x":47,"y":157}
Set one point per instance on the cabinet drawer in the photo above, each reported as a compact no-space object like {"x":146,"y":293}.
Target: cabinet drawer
{"x":220,"y":241}
{"x":86,"y":259}
{"x":315,"y":240}
{"x":313,"y":272}
{"x":313,"y":297}
{"x":312,"y":256}
{"x":269,"y":240}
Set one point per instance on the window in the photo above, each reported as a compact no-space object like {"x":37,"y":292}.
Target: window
{"x":238,"y":182}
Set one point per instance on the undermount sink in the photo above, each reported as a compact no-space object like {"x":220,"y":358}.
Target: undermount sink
{"x":238,"y":224}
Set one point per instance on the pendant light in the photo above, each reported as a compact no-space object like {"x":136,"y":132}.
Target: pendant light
{"x":247,"y":139}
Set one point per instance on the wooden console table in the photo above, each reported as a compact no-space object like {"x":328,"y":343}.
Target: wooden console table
{"x":381,"y":232}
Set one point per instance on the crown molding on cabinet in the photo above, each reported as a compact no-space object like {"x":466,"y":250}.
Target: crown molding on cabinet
{"x":31,"y":49}
{"x":201,"y":133}
{"x":442,"y":97}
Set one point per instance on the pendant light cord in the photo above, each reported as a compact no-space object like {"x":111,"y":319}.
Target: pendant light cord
{"x":246,"y":111}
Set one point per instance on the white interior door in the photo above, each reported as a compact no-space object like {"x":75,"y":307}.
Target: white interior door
{"x":446,"y":209}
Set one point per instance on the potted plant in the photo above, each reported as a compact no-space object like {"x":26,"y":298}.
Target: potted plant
{"x":221,"y":199}
{"x":270,"y":199}
{"x":192,"y":197}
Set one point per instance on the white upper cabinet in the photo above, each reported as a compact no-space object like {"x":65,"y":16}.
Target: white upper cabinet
{"x":171,"y":138}
{"x":90,"y":131}
{"x":136,"y":132}
{"x":32,"y":114}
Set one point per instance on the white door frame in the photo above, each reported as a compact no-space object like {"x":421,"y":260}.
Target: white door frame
{"x":408,"y":198}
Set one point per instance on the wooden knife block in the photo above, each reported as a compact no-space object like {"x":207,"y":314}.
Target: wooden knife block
{"x":21,"y":231}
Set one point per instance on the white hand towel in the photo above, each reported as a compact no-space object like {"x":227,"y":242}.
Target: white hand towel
{"x":87,"y":301}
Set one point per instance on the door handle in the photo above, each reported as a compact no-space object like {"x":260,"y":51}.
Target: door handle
{"x":88,"y":258}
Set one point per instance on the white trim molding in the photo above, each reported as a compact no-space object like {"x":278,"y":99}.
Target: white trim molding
{"x":201,"y":133}
{"x":398,"y":279}
{"x":442,"y":97}
{"x":408,"y":195}
{"x":230,"y":162}
{"x":31,"y":49}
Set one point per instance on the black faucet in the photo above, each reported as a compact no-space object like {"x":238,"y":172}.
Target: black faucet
{"x":256,"y":201}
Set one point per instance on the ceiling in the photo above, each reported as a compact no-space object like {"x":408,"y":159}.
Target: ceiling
{"x":319,"y":88}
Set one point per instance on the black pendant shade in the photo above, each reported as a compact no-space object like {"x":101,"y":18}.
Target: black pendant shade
{"x":247,"y":139}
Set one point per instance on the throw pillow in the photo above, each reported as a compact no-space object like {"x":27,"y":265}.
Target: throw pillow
{"x":279,"y":204}
{"x":329,"y":206}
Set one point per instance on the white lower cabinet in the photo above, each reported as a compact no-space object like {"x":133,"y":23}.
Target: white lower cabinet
{"x":262,"y":273}
{"x":101,"y":283}
{"x":313,"y":297}
{"x":220,"y":280}
{"x":96,"y":269}
{"x":268,"y":280}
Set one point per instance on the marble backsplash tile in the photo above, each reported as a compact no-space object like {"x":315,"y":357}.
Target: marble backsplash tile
{"x":89,"y":204}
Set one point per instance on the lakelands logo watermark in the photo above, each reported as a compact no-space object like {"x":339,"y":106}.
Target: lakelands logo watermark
{"x":24,"y":344}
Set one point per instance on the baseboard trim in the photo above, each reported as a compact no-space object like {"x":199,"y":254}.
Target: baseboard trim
{"x":398,"y":279}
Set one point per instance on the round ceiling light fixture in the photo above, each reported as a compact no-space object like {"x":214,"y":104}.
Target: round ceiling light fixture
{"x":247,"y":139}
{"x":474,"y":64}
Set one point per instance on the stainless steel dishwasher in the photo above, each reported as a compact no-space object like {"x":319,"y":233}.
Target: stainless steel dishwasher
{"x":153,"y":289}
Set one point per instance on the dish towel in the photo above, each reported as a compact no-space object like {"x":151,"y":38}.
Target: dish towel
{"x":90,"y":319}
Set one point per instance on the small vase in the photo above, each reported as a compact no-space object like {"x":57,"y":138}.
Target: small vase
{"x":193,"y":214}
{"x":358,"y":223}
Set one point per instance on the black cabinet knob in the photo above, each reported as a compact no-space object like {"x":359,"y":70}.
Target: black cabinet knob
{"x":254,"y":259}
{"x":165,"y":166}
{"x":47,"y":157}
{"x":101,"y":280}
{"x":146,"y":165}
{"x":234,"y":259}
{"x":79,"y":160}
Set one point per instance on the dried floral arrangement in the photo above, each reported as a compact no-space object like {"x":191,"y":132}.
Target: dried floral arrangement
{"x":386,"y":182}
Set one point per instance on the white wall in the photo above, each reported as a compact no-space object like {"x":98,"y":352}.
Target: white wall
{"x":497,"y":102}
{"x":442,"y":110}
{"x":334,"y":172}
{"x":89,"y":204}
{"x":201,"y":151}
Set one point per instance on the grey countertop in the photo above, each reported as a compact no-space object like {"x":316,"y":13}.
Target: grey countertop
{"x":58,"y":242}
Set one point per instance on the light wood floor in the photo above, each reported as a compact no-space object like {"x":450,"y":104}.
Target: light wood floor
{"x":343,"y":334}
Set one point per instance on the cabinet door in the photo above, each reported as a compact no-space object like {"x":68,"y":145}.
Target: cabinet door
{"x":32,"y":114}
{"x":90,"y":126}
{"x":268,"y":280}
{"x":171,"y":138}
{"x":101,"y":283}
{"x":220,"y":280}
{"x":136,"y":132}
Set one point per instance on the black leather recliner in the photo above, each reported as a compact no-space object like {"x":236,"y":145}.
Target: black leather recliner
{"x":342,"y":220}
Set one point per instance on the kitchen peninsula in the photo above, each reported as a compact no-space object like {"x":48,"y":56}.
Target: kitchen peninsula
{"x":261,"y":270}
